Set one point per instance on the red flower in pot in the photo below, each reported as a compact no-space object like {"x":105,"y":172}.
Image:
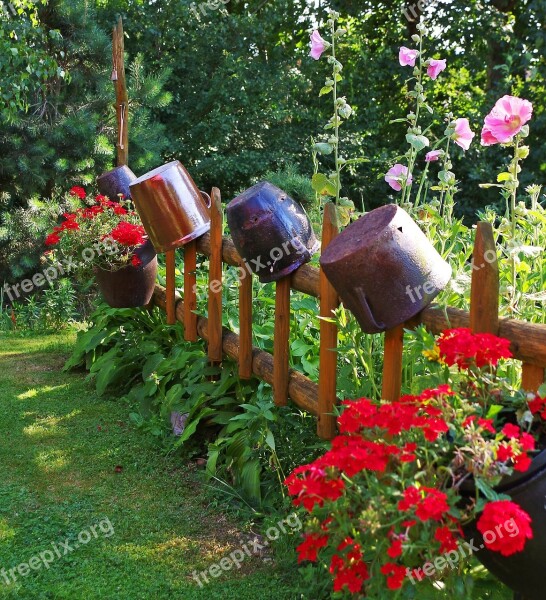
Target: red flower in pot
{"x":105,"y":238}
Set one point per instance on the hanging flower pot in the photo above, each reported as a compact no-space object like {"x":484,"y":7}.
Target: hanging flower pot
{"x":173,"y":210}
{"x":521,"y":571}
{"x":271,"y":232}
{"x":384,"y":268}
{"x":132,"y":285}
{"x":115,"y":182}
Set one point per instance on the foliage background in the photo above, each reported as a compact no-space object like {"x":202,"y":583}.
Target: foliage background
{"x":233,"y":94}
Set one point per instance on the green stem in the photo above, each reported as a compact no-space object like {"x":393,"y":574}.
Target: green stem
{"x":336,"y":116}
{"x":513,"y":223}
{"x":406,"y":189}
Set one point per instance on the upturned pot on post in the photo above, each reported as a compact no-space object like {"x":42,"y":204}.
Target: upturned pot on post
{"x":522,"y":571}
{"x":384,"y":268}
{"x":130,"y":286}
{"x":171,"y":207}
{"x":271,"y":231}
{"x":116,"y":182}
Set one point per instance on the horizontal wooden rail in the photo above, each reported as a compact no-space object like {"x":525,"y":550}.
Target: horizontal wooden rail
{"x":302,"y":390}
{"x":528,"y":339}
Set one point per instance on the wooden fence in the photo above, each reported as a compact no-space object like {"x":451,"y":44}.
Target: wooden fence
{"x":528,"y":340}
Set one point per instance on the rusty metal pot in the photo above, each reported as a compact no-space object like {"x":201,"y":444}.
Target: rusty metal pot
{"x":271,"y":232}
{"x":116,"y":182}
{"x":171,"y":207}
{"x":384,"y":268}
{"x":130,"y":286}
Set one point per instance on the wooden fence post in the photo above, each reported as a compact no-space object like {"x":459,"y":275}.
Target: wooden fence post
{"x":122,"y":99}
{"x":190,"y":293}
{"x":245,"y":321}
{"x":329,"y":301}
{"x":532,"y":377}
{"x":170,"y":285}
{"x":215,"y":278}
{"x":281,"y":341}
{"x":484,"y":294}
{"x":392,"y":363}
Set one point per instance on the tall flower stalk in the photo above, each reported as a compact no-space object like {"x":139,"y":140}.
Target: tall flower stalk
{"x":329,"y":185}
{"x":400,"y":177}
{"x":506,"y":124}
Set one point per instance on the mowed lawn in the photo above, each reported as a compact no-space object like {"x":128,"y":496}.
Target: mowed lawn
{"x":84,"y":492}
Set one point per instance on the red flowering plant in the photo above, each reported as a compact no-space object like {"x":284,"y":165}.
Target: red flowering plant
{"x":99,"y":233}
{"x":389,"y":501}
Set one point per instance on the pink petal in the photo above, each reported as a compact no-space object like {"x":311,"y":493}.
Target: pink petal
{"x":436,"y":67}
{"x":396,"y":175}
{"x":318,"y":45}
{"x":463,"y":134}
{"x":488,"y":139}
{"x":407,"y":56}
{"x":433,"y":155}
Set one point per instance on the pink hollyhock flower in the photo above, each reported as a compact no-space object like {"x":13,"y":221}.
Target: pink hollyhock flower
{"x":318,"y":45}
{"x":433,"y":155}
{"x":397,"y":175}
{"x":488,"y":139}
{"x":436,"y":67}
{"x":408,"y":57}
{"x":463,"y":135}
{"x":507,"y":118}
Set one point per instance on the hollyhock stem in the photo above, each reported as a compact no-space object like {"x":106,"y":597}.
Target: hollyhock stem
{"x":406,"y":189}
{"x":425,"y":172}
{"x":336,"y":115}
{"x":447,"y":164}
{"x":513,"y":198}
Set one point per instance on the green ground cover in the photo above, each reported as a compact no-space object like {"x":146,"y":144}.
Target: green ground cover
{"x":70,"y":461}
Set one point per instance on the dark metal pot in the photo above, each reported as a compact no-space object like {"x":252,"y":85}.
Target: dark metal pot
{"x":523,"y":571}
{"x":116,"y":182}
{"x":271,"y":232}
{"x":384,"y":268}
{"x":171,"y":207}
{"x":130,"y":286}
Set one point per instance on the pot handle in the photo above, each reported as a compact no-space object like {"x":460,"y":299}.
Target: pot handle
{"x":206,"y":198}
{"x":367,"y":310}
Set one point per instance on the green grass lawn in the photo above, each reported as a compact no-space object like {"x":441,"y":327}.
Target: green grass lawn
{"x":70,"y":461}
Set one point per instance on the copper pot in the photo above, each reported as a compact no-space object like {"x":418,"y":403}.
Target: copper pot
{"x":130,"y":287}
{"x":116,"y":182}
{"x":171,"y":207}
{"x":384,"y":268}
{"x":271,"y":232}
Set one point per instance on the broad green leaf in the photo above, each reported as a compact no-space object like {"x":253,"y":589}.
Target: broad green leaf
{"x":323,"y":186}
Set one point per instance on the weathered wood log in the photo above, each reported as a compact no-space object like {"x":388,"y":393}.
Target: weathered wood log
{"x":528,"y":339}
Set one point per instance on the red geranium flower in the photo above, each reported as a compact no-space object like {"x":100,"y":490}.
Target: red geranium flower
{"x":128,"y":234}
{"x":395,"y":549}
{"x":505,"y":527}
{"x":461,"y":347}
{"x":78,"y":191}
{"x":395,"y":575}
{"x":135,"y":261}
{"x":429,"y":503}
{"x":448,"y":541}
{"x":52,"y":239}
{"x":308,"y":549}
